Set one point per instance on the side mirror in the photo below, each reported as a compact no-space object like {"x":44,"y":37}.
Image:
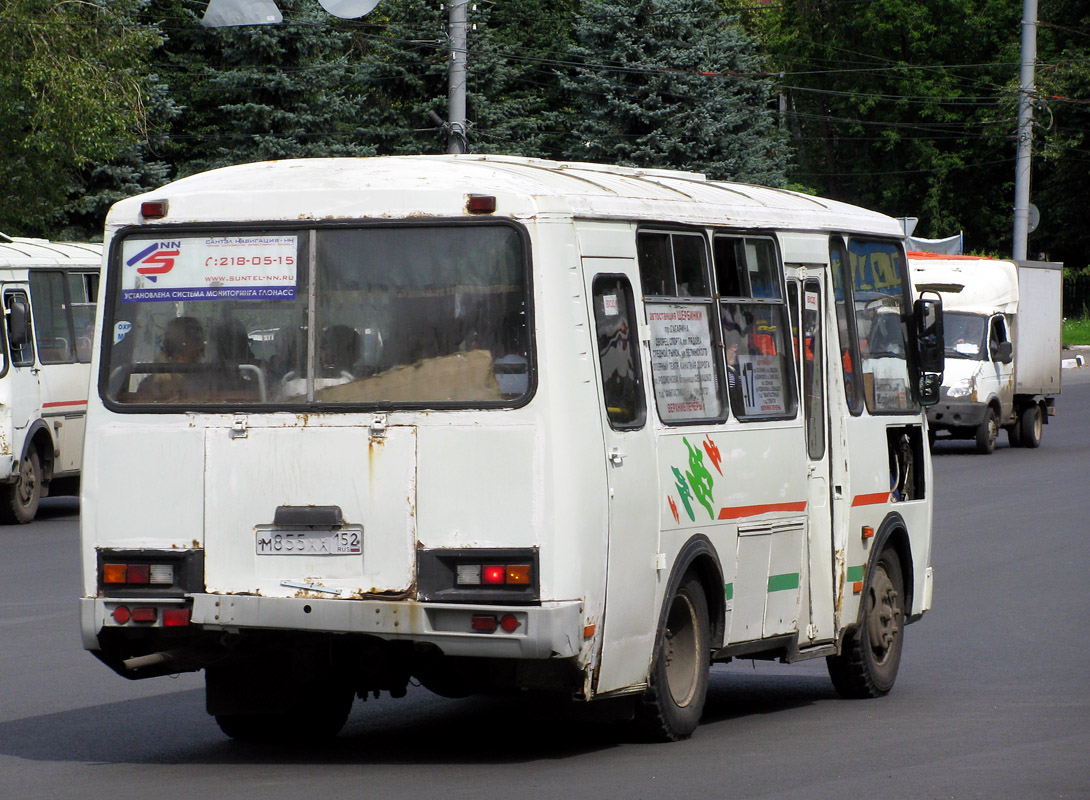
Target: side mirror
{"x":1004,"y":353}
{"x":17,"y":322}
{"x":930,"y":383}
{"x":930,"y":345}
{"x":929,"y":337}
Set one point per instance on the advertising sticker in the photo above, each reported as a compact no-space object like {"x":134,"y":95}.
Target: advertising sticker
{"x":257,"y":267}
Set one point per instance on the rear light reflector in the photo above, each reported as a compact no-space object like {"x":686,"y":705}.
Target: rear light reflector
{"x":482,"y":623}
{"x":518,"y":574}
{"x":509,"y":623}
{"x":469,"y":575}
{"x":162,"y":574}
{"x":121,"y":615}
{"x":114,"y":573}
{"x":138,"y":573}
{"x":176,"y":617}
{"x":145,"y":614}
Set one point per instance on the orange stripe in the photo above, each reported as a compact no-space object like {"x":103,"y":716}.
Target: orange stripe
{"x":870,"y":499}
{"x":64,"y":403}
{"x":752,"y":511}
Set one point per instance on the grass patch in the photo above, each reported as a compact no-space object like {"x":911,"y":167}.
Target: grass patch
{"x":1076,"y":332}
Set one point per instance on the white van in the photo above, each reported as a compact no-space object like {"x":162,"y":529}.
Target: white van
{"x":49,"y":291}
{"x":501,"y":424}
{"x":1003,"y":324}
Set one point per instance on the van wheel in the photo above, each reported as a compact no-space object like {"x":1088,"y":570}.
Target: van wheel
{"x":867,"y":665}
{"x":320,"y":716}
{"x":670,"y":709}
{"x":987,"y":432}
{"x":19,"y":501}
{"x":1031,"y":426}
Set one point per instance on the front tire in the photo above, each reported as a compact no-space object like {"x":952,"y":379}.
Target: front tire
{"x":1031,"y":425}
{"x":867,"y":665}
{"x":670,"y":709}
{"x":987,"y":432}
{"x":20,"y":500}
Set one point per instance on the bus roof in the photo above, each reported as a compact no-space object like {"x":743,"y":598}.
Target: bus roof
{"x":395,"y":187}
{"x":26,"y":253}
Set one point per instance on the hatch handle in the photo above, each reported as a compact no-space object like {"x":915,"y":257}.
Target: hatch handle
{"x":312,"y":516}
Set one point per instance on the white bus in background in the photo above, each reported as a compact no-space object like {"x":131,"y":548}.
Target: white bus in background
{"x":499,"y":424}
{"x":49,"y":291}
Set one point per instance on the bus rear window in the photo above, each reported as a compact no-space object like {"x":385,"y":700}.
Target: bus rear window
{"x":415,"y":315}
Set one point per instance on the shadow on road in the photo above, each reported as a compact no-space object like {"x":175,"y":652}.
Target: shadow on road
{"x":419,"y":729}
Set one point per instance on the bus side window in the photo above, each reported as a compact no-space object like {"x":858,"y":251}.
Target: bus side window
{"x":853,"y":387}
{"x":615,"y":326}
{"x":52,"y":324}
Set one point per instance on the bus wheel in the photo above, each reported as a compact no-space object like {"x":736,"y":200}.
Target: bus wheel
{"x":19,"y":502}
{"x":1031,"y":426}
{"x":867,"y":665}
{"x":987,"y":432}
{"x":670,"y":709}
{"x":320,"y":716}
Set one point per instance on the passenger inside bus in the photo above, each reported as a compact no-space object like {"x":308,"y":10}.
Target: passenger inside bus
{"x":183,"y":344}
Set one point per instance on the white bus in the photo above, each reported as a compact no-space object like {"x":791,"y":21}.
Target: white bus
{"x":49,"y":291}
{"x":499,"y":424}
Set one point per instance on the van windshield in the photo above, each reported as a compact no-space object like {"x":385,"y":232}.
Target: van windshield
{"x":415,"y":315}
{"x":964,"y":335}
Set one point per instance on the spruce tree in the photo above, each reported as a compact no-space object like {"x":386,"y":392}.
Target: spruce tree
{"x":671,"y":83}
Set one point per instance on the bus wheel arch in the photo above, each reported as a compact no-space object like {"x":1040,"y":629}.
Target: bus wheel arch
{"x":870,"y":650}
{"x":19,"y":500}
{"x":690,"y":626}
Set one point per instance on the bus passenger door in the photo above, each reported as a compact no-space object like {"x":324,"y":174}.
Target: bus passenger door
{"x":630,"y":618}
{"x":819,"y":544}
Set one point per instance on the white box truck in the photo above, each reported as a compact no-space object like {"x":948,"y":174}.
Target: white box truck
{"x":1002,"y":323}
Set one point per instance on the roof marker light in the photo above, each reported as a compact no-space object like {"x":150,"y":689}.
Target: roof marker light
{"x":153,"y":209}
{"x":481,"y":204}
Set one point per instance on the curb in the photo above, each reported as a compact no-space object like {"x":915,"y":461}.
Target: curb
{"x":1070,"y":363}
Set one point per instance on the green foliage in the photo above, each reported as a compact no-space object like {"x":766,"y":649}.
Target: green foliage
{"x":1076,"y":332}
{"x":70,"y":99}
{"x":910,"y":108}
{"x":258,"y":92}
{"x":671,"y":83}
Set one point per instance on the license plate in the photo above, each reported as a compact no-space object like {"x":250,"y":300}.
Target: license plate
{"x":343,"y":542}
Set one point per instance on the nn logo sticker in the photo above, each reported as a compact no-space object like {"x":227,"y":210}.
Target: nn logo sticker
{"x":155,"y":260}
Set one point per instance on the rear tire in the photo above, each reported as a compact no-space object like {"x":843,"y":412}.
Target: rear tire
{"x":987,"y":432}
{"x":319,"y":716}
{"x":867,"y":665}
{"x":670,"y":709}
{"x":1031,"y":425}
{"x":19,"y":501}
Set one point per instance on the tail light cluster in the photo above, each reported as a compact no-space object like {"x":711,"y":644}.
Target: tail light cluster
{"x":137,"y":575}
{"x":150,"y":573}
{"x":473,"y":574}
{"x":496,"y":576}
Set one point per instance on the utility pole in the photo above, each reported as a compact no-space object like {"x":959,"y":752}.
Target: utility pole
{"x":1025,"y":130}
{"x":456,"y":77}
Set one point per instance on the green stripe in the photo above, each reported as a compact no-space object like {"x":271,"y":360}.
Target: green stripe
{"x":728,"y":591}
{"x":780,"y":583}
{"x":855,"y":573}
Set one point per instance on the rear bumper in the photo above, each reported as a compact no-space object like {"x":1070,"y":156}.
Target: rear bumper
{"x":549,"y":630}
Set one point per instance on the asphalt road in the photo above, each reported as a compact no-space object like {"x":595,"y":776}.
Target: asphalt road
{"x":991,"y":701}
